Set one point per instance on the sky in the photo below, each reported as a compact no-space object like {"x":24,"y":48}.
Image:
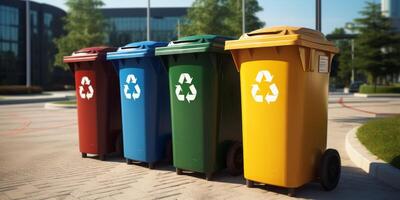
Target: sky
{"x":335,"y":13}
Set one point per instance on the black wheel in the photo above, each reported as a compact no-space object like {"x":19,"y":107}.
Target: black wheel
{"x":84,"y":155}
{"x":168,"y":151}
{"x":249,"y":183}
{"x":178,"y":171}
{"x":329,"y":170}
{"x":234,"y":159}
{"x":209,"y":176}
{"x":102,"y":157}
{"x":291,"y":192}
{"x":119,"y":146}
{"x":151,"y":165}
{"x":128,"y":161}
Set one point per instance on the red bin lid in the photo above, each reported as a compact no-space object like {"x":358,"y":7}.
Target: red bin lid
{"x":88,"y":54}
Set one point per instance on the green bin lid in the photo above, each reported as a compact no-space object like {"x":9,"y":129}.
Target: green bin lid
{"x":194,"y":44}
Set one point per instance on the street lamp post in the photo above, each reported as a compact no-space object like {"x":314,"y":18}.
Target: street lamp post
{"x":28,"y":45}
{"x":243,"y":17}
{"x":350,"y":26}
{"x":179,"y":28}
{"x":318,"y":15}
{"x":148,"y":20}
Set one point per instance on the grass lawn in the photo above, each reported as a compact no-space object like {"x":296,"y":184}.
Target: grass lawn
{"x":73,"y":102}
{"x":382,"y":138}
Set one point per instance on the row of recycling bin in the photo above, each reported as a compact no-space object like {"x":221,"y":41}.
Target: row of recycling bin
{"x":188,"y":96}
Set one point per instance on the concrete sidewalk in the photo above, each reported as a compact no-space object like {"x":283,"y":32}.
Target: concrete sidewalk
{"x":37,"y":98}
{"x":39,"y":159}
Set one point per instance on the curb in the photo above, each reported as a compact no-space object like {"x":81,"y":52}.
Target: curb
{"x":363,"y":159}
{"x":54,"y":106}
{"x":376,"y":95}
{"x":38,"y":100}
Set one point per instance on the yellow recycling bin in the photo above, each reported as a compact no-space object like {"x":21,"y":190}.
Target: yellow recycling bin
{"x":284,"y":77}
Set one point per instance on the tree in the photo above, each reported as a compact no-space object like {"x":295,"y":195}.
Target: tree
{"x":344,"y":58}
{"x":220,"y":17}
{"x":234,"y":19}
{"x":85,"y":27}
{"x":376,"y":43}
{"x":205,"y":17}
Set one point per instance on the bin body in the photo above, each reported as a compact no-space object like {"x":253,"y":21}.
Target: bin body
{"x":205,"y":102}
{"x":99,"y":118}
{"x":284,"y":103}
{"x":144,"y":101}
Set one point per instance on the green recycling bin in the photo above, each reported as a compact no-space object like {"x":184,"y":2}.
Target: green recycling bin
{"x":205,"y":105}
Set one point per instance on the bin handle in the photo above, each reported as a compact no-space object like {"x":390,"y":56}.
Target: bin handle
{"x":279,"y":32}
{"x":129,"y":47}
{"x":184,"y":41}
{"x":85,"y":51}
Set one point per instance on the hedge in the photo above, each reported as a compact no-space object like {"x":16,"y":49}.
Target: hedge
{"x":19,"y":89}
{"x":379,"y":89}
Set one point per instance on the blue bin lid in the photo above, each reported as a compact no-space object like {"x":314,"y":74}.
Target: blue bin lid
{"x":136,"y":50}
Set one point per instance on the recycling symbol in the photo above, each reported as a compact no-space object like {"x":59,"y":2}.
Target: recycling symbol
{"x":271,"y":96}
{"x":190,"y":96}
{"x":88,"y":95}
{"x":136,"y":94}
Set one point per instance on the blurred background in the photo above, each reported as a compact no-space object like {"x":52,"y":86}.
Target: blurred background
{"x":367,"y":33}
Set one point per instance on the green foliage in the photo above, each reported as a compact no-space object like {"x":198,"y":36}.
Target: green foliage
{"x":85,"y":27}
{"x":19,"y":89}
{"x":382,"y":138}
{"x":220,"y":17}
{"x":368,"y":89}
{"x":377,"y":46}
{"x":344,"y":57}
{"x":234,"y":18}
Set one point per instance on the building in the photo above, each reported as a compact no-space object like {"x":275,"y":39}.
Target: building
{"x":46,"y":24}
{"x":129,"y":24}
{"x":391,"y":9}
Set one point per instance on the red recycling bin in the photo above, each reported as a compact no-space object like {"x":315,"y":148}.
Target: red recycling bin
{"x":97,"y":95}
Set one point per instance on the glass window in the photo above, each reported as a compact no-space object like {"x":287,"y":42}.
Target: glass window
{"x":34,"y":16}
{"x":14,"y":48}
{"x":48,"y":18}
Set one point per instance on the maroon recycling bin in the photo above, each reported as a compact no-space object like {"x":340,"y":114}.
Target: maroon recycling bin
{"x":97,"y":96}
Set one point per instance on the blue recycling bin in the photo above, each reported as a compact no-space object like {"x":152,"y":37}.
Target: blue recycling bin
{"x":144,"y":93}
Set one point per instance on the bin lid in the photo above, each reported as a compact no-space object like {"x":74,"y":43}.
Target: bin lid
{"x":136,"y":49}
{"x":88,"y":54}
{"x":194,"y":44}
{"x":282,"y":36}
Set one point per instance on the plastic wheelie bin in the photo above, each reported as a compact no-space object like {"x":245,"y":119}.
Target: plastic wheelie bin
{"x":205,"y":105}
{"x":146,"y":117}
{"x":99,"y":114}
{"x":284,"y":77}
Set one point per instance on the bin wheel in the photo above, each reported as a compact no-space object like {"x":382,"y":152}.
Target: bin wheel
{"x":119,"y":145}
{"x":209,"y":176}
{"x":234,"y":159}
{"x":102,"y":157}
{"x":178,"y":171}
{"x":128,"y":161}
{"x":249,"y":183}
{"x":291,"y":192}
{"x":329,"y":171}
{"x":168,"y":151}
{"x":84,"y":155}
{"x":151,"y":165}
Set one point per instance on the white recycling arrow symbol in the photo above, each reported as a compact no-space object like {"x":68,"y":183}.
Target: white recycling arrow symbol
{"x":88,"y":95}
{"x":190,"y":96}
{"x":136,"y":94}
{"x":269,"y":98}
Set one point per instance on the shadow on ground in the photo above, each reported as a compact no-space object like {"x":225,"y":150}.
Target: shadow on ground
{"x":359,"y":120}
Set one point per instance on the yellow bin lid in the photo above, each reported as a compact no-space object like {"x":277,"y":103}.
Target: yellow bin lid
{"x":282,"y":36}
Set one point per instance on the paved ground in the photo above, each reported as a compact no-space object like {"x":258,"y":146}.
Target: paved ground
{"x":39,"y":159}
